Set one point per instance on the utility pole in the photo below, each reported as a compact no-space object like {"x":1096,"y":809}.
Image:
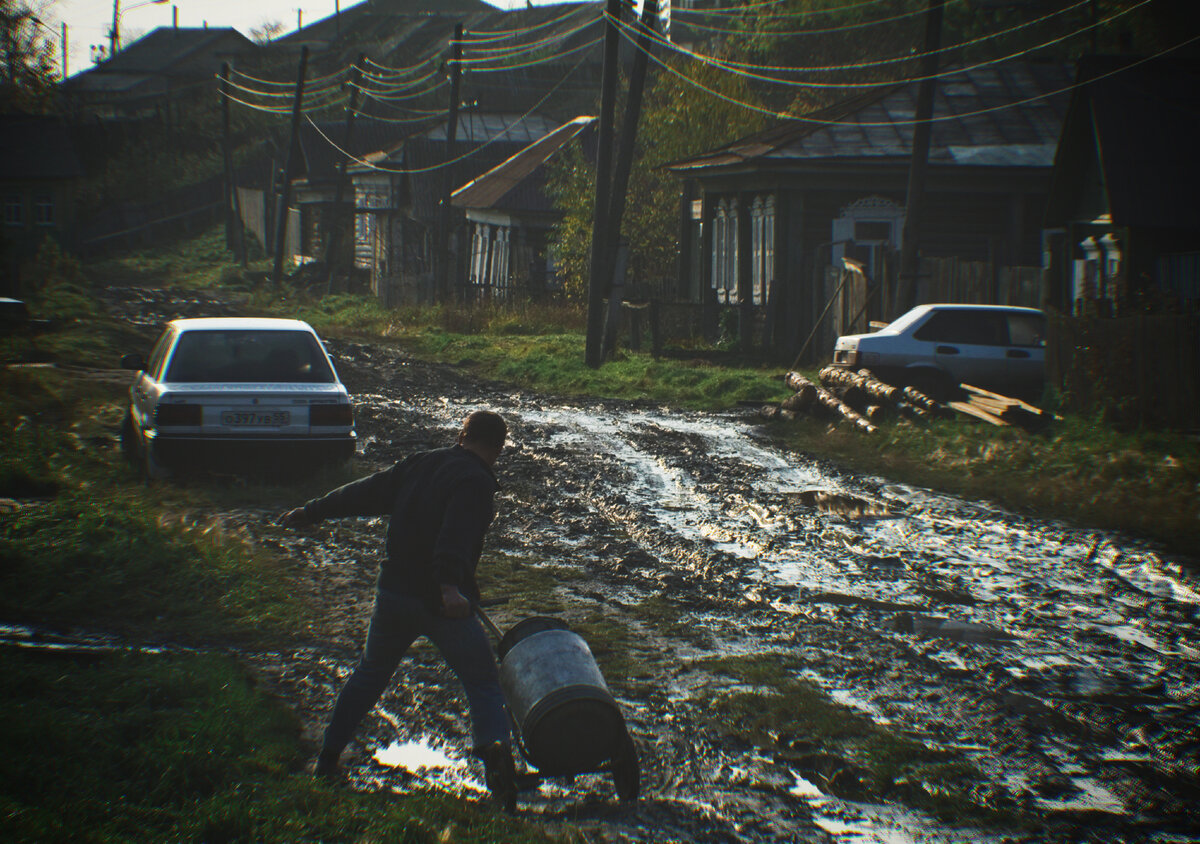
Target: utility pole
{"x":624,"y":162}
{"x":227,"y":152}
{"x":906,"y":290}
{"x":597,"y":283}
{"x":337,"y":221}
{"x":285,"y":193}
{"x":63,"y":43}
{"x":444,"y":217}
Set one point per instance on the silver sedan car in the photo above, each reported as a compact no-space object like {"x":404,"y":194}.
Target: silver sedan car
{"x":936,"y":347}
{"x":239,"y":392}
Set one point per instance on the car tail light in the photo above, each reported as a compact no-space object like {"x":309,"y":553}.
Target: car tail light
{"x":330,"y":415}
{"x":177,"y":414}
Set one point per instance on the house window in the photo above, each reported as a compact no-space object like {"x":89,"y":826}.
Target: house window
{"x":500,"y":261}
{"x":14,"y":210}
{"x":43,"y":210}
{"x":725,"y":252}
{"x":867,"y":229}
{"x":762,"y":234}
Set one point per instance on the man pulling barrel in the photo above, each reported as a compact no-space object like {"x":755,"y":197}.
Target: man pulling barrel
{"x":440,"y":504}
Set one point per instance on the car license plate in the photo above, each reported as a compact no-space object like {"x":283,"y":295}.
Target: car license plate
{"x":256,"y":418}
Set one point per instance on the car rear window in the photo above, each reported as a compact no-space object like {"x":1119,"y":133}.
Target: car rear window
{"x":245,"y":355}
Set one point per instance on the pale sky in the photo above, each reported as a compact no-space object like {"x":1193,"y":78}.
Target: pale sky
{"x":88,"y":21}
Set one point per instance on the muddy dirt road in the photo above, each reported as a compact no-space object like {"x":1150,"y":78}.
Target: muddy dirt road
{"x":1051,"y":672}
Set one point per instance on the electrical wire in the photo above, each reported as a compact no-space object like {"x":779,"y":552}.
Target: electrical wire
{"x":829,"y":30}
{"x":280,"y":94}
{"x":464,"y":156}
{"x":377,"y":87}
{"x":734,"y":68}
{"x":491,"y":35}
{"x":536,"y":62}
{"x":385,"y":70}
{"x":894,"y":123}
{"x":387,"y":98}
{"x":523,"y":49}
{"x":420,"y":116}
{"x":738,"y":10}
{"x":308,"y":81}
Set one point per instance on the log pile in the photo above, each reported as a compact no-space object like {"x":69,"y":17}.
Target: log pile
{"x":1001,"y":410}
{"x":865,"y":401}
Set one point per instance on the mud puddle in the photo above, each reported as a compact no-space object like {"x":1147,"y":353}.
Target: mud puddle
{"x":1058,"y":665}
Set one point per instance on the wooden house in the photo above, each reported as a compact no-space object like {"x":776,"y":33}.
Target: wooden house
{"x":509,"y":218}
{"x":1122,"y":222}
{"x":39,"y":175}
{"x":399,"y":194}
{"x":768,"y":218}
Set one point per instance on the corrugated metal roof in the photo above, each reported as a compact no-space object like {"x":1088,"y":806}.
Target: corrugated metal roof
{"x":491,"y":188}
{"x":1001,"y":112}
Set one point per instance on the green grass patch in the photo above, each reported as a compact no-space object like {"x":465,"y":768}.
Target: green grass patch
{"x":779,"y":713}
{"x":185,"y":748}
{"x":119,"y":562}
{"x":191,"y":263}
{"x":1145,"y":483}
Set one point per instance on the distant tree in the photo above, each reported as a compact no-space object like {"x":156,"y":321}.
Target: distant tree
{"x":265,"y":32}
{"x":679,"y":120}
{"x":28,"y":58}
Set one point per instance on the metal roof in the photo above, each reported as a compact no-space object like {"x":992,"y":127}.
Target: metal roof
{"x":492,"y":188}
{"x":1001,"y":115}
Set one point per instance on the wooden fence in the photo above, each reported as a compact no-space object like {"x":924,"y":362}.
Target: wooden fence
{"x":1141,"y":371}
{"x":979,"y":283}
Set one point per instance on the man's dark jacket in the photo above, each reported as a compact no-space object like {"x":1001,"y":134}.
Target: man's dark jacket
{"x":440,"y":503}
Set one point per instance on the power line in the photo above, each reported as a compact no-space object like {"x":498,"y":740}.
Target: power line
{"x":893,"y":123}
{"x":541,"y":61}
{"x":847,"y":27}
{"x":737,"y":68}
{"x":526,"y":48}
{"x":503,"y":34}
{"x":469,"y":154}
{"x":737,"y":10}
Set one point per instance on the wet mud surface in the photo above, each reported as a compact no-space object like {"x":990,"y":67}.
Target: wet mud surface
{"x":1060,"y":665}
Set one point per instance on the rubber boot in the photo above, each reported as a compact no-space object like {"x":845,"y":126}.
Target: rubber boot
{"x":500,"y":774}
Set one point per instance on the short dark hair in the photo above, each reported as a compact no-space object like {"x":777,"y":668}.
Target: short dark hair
{"x":486,"y":428}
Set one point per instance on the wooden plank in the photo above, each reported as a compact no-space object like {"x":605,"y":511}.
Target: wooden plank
{"x":979,"y":413}
{"x":1014,"y":401}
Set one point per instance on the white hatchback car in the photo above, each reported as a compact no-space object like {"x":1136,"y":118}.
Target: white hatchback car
{"x":936,"y":347}
{"x":236,"y":391}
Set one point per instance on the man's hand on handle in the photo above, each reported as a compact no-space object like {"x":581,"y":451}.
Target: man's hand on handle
{"x":454,"y":603}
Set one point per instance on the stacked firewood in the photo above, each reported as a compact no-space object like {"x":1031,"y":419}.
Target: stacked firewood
{"x":864,"y":401}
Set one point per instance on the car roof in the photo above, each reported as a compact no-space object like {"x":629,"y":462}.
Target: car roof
{"x":242,"y":323}
{"x":941,"y":306}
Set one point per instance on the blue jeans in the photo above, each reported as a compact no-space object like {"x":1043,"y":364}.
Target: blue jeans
{"x":397,"y":622}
